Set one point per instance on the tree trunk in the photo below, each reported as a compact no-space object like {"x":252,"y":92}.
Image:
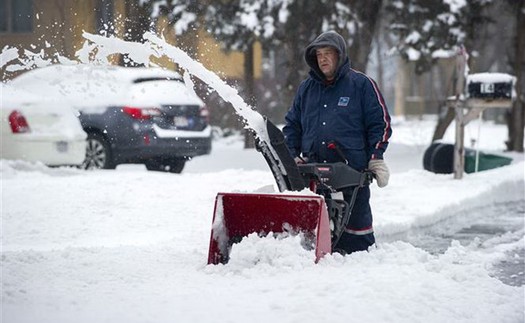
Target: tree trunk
{"x":401,"y":87}
{"x":443,"y":123}
{"x":368,"y":12}
{"x":249,"y":89}
{"x":295,"y":64}
{"x":517,"y":118}
{"x":379,"y":57}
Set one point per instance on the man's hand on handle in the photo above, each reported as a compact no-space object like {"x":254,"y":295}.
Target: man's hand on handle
{"x":300,"y":160}
{"x":380,"y":170}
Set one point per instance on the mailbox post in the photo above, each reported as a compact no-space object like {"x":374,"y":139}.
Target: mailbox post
{"x":473,"y":94}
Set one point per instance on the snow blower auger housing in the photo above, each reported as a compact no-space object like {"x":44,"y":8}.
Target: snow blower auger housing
{"x":320,"y":214}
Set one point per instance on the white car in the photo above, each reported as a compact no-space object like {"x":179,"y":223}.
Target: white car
{"x":39,"y":129}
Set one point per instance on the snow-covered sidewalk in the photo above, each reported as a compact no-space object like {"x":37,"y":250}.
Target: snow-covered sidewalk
{"x":420,"y":198}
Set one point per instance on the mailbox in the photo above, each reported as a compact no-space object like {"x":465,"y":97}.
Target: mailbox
{"x":490,"y":86}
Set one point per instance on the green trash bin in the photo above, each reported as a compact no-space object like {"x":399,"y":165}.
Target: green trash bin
{"x":486,"y":161}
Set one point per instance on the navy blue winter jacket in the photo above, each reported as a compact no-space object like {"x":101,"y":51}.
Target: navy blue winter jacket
{"x":350,"y":112}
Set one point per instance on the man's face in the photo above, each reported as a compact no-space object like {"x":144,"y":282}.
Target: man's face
{"x":327,"y":58}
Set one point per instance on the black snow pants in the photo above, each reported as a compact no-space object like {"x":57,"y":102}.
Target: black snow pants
{"x":359,"y":233}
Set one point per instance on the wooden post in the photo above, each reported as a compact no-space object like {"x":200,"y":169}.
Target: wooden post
{"x":468,"y":108}
{"x":459,"y":149}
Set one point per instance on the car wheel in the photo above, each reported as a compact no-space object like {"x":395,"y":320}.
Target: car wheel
{"x":98,"y":153}
{"x":175,"y":165}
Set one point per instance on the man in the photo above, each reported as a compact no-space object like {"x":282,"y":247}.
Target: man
{"x":338,"y":107}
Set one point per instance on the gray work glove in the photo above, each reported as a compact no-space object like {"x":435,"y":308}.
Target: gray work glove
{"x":380,"y":170}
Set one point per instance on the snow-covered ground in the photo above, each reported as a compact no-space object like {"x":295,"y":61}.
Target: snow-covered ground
{"x":131,"y":246}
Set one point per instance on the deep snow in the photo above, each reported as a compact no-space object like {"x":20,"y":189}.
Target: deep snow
{"x":131,"y":246}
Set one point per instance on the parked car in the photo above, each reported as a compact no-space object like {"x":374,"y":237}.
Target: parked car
{"x":131,"y":115}
{"x":38,"y":129}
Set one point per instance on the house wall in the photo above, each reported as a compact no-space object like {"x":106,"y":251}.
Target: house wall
{"x":58,"y":26}
{"x":227,"y":64}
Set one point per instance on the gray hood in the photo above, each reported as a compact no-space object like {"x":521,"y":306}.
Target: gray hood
{"x":329,"y":38}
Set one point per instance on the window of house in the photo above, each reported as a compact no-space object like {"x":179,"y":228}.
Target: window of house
{"x":3,"y":15}
{"x":16,"y":16}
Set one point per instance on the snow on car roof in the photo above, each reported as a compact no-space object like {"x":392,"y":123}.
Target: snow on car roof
{"x":10,"y":95}
{"x":65,"y":124}
{"x":90,"y":84}
{"x":125,"y":74}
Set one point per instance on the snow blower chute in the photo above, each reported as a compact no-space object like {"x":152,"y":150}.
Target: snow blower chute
{"x":320,"y":216}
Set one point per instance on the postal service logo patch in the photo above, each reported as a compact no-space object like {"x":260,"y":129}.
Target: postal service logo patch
{"x":343,"y":101}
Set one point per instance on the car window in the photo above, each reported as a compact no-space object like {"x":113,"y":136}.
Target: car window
{"x":149,"y":79}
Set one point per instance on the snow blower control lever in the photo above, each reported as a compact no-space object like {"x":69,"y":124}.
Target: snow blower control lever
{"x":333,"y":145}
{"x":329,"y":180}
{"x":321,"y":216}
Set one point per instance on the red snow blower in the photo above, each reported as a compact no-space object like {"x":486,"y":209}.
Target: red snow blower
{"x":320,"y":216}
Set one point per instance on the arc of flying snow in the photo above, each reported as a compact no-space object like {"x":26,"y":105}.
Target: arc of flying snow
{"x":189,"y":82}
{"x":8,"y":54}
{"x":252,"y":118}
{"x":157,"y":47}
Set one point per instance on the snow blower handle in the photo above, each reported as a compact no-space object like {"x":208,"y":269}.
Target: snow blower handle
{"x":333,"y":145}
{"x":368,"y":178}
